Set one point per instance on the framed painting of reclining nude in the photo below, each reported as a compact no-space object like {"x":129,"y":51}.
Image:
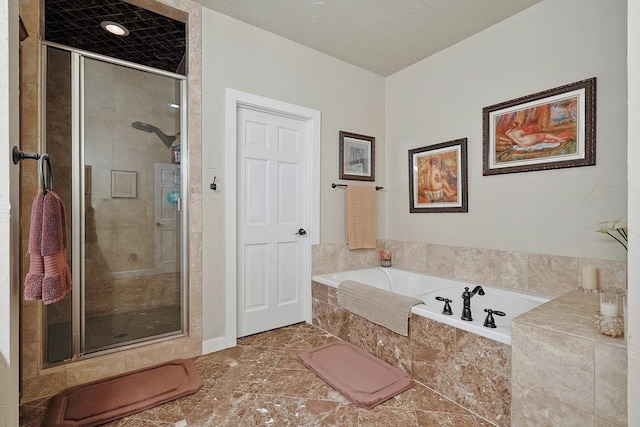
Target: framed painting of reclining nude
{"x":552,"y":129}
{"x":438,"y":177}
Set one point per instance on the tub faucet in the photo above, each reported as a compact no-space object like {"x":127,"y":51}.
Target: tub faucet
{"x":466,"y":301}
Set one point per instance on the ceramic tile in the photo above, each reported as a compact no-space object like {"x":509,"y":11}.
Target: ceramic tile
{"x":394,"y":349}
{"x":319,"y":292}
{"x":326,"y":413}
{"x":531,"y":408}
{"x":408,"y":255}
{"x":611,"y":384}
{"x":322,"y":391}
{"x":568,"y":379}
{"x":552,"y":275}
{"x":440,"y":260}
{"x":388,"y":417}
{"x":253,"y":384}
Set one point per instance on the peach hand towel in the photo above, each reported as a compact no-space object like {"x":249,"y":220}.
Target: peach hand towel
{"x":361,"y":217}
{"x":57,"y":274}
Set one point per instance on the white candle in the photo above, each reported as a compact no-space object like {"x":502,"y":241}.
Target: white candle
{"x":609,"y":309}
{"x":589,"y":277}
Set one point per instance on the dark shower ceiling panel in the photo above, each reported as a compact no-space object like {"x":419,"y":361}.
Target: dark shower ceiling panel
{"x":154,"y":40}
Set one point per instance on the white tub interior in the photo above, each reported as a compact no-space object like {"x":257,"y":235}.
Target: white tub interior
{"x":427,"y":288}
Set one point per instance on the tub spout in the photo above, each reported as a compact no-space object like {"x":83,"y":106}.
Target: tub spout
{"x":466,"y":301}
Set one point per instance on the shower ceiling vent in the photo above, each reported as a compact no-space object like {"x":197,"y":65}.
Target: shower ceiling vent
{"x":154,"y":40}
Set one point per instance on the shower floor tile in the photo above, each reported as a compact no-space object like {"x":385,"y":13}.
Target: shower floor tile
{"x":260,"y":383}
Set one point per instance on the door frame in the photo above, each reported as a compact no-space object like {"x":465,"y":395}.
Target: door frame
{"x":233,"y":100}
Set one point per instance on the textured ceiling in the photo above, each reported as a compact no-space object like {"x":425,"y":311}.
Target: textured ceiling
{"x":154,"y":40}
{"x":383,"y":36}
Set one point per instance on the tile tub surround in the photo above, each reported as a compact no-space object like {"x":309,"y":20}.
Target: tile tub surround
{"x":548,"y":275}
{"x":586,"y":385}
{"x":473,"y":371}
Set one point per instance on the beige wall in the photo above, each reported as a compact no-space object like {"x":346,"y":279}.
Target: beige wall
{"x":554,"y":212}
{"x":242,"y":57}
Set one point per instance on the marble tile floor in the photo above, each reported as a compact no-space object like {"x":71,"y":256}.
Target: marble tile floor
{"x":260,"y":383}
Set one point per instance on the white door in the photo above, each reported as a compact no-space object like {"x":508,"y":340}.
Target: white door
{"x":166,"y":199}
{"x":272,"y":204}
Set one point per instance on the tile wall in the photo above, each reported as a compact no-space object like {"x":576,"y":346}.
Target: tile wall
{"x":548,"y":275}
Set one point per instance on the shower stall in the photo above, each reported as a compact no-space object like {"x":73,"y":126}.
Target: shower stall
{"x":113,"y":132}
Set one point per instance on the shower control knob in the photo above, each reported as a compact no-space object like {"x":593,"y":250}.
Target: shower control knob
{"x":158,"y":224}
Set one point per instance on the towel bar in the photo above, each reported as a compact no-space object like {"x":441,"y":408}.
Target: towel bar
{"x":334,"y":185}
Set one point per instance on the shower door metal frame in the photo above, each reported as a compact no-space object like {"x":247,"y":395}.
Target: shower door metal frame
{"x":78,"y":204}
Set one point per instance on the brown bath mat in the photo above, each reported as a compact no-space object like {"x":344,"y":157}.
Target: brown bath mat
{"x":105,"y":400}
{"x":360,"y":377}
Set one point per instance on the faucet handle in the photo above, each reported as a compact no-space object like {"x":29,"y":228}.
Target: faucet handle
{"x":489,"y":322}
{"x":447,"y":308}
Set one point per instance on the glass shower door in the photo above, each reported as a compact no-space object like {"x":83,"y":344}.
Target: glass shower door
{"x":131,"y":182}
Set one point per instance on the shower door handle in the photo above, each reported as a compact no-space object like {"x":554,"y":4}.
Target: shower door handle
{"x":301,"y":232}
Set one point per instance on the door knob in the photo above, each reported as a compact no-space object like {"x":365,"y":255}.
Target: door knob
{"x":301,"y":232}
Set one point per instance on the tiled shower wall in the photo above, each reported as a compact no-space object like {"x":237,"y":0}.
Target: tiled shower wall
{"x":548,"y":275}
{"x":38,"y":381}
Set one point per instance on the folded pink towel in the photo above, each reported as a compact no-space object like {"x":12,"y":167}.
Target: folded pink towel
{"x":33,"y":280}
{"x":57,"y":274}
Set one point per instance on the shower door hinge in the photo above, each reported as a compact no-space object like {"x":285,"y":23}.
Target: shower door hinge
{"x":180,"y":207}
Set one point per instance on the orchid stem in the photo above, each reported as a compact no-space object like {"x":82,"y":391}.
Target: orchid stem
{"x":619,"y":241}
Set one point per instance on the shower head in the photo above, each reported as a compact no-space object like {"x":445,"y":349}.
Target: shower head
{"x":167,"y":140}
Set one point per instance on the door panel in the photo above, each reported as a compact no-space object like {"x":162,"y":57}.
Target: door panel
{"x":272,"y":208}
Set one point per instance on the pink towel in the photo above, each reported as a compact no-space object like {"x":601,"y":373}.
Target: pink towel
{"x":57,"y":275}
{"x":33,"y":280}
{"x":49,"y":276}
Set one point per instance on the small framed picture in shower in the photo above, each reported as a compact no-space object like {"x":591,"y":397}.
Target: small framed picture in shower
{"x":438,"y":177}
{"x":357,"y":156}
{"x":123,"y":184}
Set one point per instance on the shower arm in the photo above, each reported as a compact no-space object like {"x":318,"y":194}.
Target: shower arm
{"x":167,"y":140}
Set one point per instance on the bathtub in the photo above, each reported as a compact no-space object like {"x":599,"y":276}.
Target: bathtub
{"x":427,"y":288}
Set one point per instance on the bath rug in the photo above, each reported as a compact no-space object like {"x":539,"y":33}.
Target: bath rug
{"x":359,"y":376}
{"x":379,"y":306}
{"x":106,"y":400}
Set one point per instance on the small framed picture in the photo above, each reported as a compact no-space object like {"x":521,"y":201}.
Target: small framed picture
{"x":546,"y":130}
{"x":123,"y":184}
{"x":438,"y":177}
{"x":357,"y":156}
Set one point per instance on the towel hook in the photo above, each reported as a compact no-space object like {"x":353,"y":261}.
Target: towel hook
{"x":21,"y":155}
{"x":48,"y":179}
